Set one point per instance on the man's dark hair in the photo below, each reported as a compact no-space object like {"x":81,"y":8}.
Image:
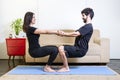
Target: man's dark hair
{"x":88,"y":11}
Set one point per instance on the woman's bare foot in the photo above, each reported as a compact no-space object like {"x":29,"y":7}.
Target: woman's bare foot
{"x":48,"y":69}
{"x":63,"y":69}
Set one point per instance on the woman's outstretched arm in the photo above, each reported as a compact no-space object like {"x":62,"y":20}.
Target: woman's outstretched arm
{"x":39,"y":31}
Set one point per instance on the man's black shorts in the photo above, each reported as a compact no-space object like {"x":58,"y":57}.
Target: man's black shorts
{"x":71,"y":51}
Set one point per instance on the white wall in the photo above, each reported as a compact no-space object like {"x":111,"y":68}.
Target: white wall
{"x":108,"y":21}
{"x":63,"y":14}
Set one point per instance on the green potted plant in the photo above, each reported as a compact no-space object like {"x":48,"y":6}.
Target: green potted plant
{"x":17,"y":26}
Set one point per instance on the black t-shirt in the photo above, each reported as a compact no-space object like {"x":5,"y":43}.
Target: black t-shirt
{"x":33,"y":39}
{"x":81,"y":42}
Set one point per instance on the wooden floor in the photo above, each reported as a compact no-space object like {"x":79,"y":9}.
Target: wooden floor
{"x":114,"y":65}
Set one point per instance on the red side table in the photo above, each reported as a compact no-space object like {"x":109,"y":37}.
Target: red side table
{"x":15,"y":47}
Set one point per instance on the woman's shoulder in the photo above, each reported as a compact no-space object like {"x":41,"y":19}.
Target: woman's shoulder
{"x":31,"y":29}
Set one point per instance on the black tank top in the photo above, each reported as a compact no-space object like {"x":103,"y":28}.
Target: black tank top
{"x":33,"y":39}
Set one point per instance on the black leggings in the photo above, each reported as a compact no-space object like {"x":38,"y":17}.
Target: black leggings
{"x":44,"y":51}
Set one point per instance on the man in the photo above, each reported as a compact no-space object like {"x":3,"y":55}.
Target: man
{"x":83,"y":35}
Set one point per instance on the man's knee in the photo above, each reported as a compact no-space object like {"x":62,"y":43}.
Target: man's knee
{"x":61,"y":49}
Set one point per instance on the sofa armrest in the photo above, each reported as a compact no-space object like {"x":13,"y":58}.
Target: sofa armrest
{"x":105,"y":48}
{"x":105,"y":45}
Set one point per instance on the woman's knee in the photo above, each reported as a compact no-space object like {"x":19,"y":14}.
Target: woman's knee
{"x":55,"y":50}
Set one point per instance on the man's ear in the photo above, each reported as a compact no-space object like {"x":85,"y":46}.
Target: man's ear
{"x":88,"y":16}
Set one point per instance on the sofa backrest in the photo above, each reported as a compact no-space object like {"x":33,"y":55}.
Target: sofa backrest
{"x":96,"y":34}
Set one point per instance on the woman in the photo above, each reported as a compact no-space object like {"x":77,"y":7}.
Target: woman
{"x":33,"y":35}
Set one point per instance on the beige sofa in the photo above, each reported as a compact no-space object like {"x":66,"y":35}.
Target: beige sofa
{"x":99,"y":48}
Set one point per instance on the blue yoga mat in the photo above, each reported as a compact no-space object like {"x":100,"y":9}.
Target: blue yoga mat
{"x":74,"y":70}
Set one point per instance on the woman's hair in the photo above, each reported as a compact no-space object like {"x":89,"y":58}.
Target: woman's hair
{"x":27,"y":20}
{"x":88,"y":11}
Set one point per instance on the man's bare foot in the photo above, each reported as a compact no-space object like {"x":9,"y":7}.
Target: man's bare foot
{"x":63,"y":69}
{"x":48,"y":69}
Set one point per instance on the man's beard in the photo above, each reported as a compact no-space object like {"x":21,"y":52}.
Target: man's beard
{"x":84,"y":20}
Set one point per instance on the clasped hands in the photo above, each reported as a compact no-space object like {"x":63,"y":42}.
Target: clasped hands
{"x":60,"y":33}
